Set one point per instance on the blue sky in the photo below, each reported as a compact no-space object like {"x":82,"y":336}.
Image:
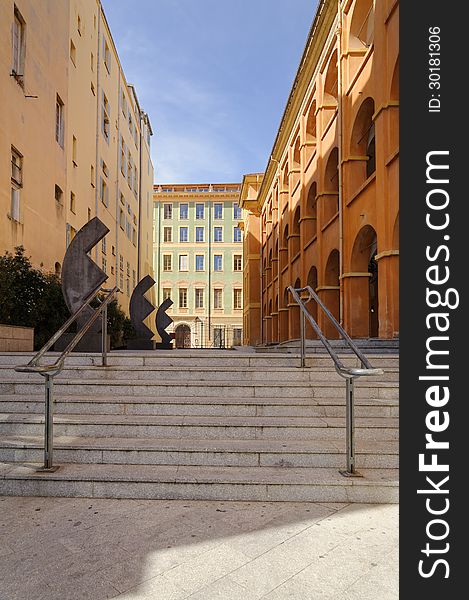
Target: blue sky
{"x":214,"y":76}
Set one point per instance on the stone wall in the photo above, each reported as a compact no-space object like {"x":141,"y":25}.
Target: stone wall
{"x":16,"y":339}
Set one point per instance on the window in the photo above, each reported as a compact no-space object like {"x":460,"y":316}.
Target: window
{"x":237,"y":262}
{"x":106,"y":55}
{"x":237,"y":212}
{"x":237,"y":299}
{"x":199,"y":297}
{"x":130,"y":169}
{"x":182,"y":297}
{"x":121,"y":219}
{"x":218,"y":262}
{"x":104,"y":167}
{"x":128,"y":269}
{"x":167,"y":234}
{"x":199,"y":211}
{"x":93,"y":91}
{"x":183,"y":262}
{"x":92,"y":61}
{"x":217,"y":298}
{"x":183,"y":234}
{"x":103,"y":245}
{"x":72,"y":202}
{"x":134,"y":238}
{"x":121,"y":282}
{"x":105,"y":112}
{"x":127,"y":285}
{"x":113,"y":250}
{"x":121,"y":262}
{"x":74,"y":151}
{"x":70,"y":234}
{"x":73,"y":53}
{"x":199,"y":262}
{"x":237,"y":236}
{"x":135,"y":180}
{"x":218,"y":210}
{"x":89,"y":214}
{"x":79,"y":24}
{"x":59,"y":121}
{"x":167,"y":262}
{"x":104,"y":262}
{"x":16,"y":183}
{"x":199,"y":234}
{"x":123,"y":153}
{"x":218,"y":234}
{"x":58,"y":194}
{"x":166,"y":293}
{"x":92,"y":175}
{"x":18,"y":46}
{"x":183,"y":211}
{"x":103,"y":192}
{"x":237,"y":336}
{"x":168,"y":211}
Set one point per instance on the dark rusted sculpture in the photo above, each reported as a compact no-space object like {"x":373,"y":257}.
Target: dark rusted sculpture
{"x":140,"y":308}
{"x":80,"y":277}
{"x":163,"y":321}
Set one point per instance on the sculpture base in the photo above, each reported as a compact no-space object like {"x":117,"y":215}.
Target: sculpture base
{"x":140,"y":344}
{"x":163,"y":346}
{"x":90,"y":342}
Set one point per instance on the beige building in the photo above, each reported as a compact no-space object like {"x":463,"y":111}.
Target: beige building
{"x":78,"y":138}
{"x":198,"y":262}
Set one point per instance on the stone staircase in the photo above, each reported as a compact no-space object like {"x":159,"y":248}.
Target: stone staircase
{"x":212,"y":425}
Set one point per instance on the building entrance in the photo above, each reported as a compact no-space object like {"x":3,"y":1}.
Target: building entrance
{"x":183,"y":336}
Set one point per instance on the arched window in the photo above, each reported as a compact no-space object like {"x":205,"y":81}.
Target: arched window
{"x":362,"y":24}
{"x":311,"y":124}
{"x":331,"y":186}
{"x":331,"y":90}
{"x":363,"y":139}
{"x":295,"y":237}
{"x":311,"y":213}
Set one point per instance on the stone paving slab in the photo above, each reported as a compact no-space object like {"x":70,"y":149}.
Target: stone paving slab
{"x":94,"y":549}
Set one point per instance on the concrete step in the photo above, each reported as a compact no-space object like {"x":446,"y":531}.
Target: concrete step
{"x":195,"y":427}
{"x":240,"y":453}
{"x":200,"y":358}
{"x":247,"y":407}
{"x":224,"y":375}
{"x":266,"y":388}
{"x":204,"y":483}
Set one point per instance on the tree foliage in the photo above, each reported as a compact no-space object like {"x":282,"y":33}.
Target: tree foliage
{"x":31,"y":298}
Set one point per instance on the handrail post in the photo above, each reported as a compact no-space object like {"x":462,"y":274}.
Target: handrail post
{"x":302,"y":335}
{"x":104,"y":336}
{"x":350,"y":425}
{"x":49,"y":425}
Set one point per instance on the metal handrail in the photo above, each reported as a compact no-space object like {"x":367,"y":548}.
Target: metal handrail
{"x":349,"y":374}
{"x":50,"y":371}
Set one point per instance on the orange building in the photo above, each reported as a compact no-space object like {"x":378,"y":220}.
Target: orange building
{"x":327,"y":207}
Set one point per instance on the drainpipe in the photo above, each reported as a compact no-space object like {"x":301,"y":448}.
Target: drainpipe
{"x":340,"y":155}
{"x":98,"y":92}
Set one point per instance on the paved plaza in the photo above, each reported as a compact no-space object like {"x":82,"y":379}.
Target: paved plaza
{"x":79,"y":548}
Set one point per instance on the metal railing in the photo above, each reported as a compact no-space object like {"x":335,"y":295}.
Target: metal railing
{"x":349,"y":374}
{"x":49,"y":371}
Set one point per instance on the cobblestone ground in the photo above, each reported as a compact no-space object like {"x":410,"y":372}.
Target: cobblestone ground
{"x":66,"y":549}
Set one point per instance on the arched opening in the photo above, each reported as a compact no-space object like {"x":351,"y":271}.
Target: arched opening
{"x":312,"y":281}
{"x":311,"y":125}
{"x":57,"y":269}
{"x":331,"y":82}
{"x":275,"y":261}
{"x":269,"y":267}
{"x":296,"y":164}
{"x":311,"y":217}
{"x":365,"y":286}
{"x":283,"y":316}
{"x":183,"y":336}
{"x":275,"y":321}
{"x":362,"y":24}
{"x":295,"y":236}
{"x":331,"y":186}
{"x":331,"y":292}
{"x":284,"y":191}
{"x":295,"y":313}
{"x":394,"y":116}
{"x":362,"y":143}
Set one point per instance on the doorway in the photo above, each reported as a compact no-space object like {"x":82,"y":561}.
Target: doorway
{"x":183,"y":336}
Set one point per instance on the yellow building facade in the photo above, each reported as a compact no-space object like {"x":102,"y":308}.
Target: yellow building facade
{"x":82,"y":141}
{"x":327,"y":208}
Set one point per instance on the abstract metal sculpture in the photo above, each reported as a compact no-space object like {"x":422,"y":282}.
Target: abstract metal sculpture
{"x":140,"y":308}
{"x":80,"y":277}
{"x":162,"y":322}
